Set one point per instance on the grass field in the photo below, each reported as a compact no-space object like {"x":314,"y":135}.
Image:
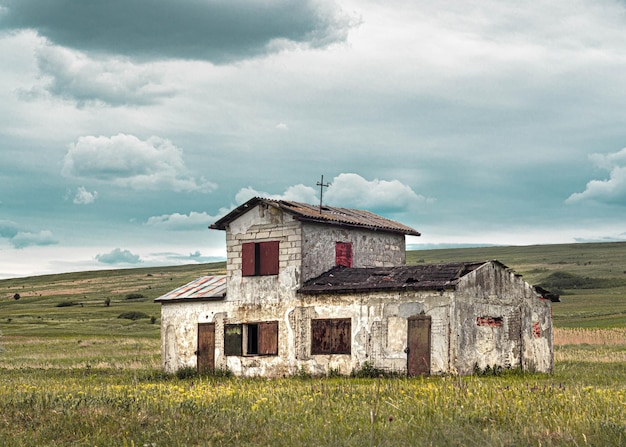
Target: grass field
{"x":73,"y":373}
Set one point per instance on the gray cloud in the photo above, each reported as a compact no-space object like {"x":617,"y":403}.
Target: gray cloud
{"x":219,"y":30}
{"x":127,"y":161}
{"x":25,"y":239}
{"x":75,"y":76}
{"x":118,"y":256}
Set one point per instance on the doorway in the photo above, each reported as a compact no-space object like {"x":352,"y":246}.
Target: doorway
{"x":418,"y":345}
{"x":206,"y":347}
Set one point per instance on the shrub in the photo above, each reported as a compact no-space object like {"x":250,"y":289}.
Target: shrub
{"x":368,"y":370}
{"x":559,"y":280}
{"x":67,"y":304}
{"x":134,"y":296}
{"x":107,"y":301}
{"x":133,"y":315}
{"x":16,"y":296}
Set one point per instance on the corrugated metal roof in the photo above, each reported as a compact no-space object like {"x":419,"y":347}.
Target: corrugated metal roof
{"x":203,"y":288}
{"x":416,"y":277}
{"x":327,"y":214}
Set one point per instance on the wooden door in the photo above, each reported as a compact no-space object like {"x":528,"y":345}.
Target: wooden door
{"x":206,"y":347}
{"x":418,"y":345}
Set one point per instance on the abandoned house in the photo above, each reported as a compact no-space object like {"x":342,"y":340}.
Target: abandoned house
{"x":316,"y":289}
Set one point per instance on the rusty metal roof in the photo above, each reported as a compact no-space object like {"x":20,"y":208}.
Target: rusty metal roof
{"x":203,"y":288}
{"x":327,"y":215}
{"x":413,"y":277}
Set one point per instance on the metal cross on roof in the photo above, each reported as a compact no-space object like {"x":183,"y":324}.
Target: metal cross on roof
{"x":322,"y":185}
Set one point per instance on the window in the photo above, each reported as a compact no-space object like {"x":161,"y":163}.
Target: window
{"x":259,"y":258}
{"x":332,"y":336}
{"x":343,"y":254}
{"x":257,"y":338}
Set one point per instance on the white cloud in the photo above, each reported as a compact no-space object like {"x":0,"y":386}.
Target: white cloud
{"x":181,"y":222}
{"x":26,"y":239}
{"x":84,"y":197}
{"x":611,"y":190}
{"x":353,"y":191}
{"x":127,"y":161}
{"x":118,"y":256}
{"x":349,"y":191}
{"x":296,"y":193}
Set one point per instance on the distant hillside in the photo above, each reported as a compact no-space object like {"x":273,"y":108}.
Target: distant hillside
{"x":590,"y":277}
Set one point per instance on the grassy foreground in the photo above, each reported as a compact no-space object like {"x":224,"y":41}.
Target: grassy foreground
{"x":582,"y":404}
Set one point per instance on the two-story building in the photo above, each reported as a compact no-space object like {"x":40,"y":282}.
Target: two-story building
{"x":323,"y":288}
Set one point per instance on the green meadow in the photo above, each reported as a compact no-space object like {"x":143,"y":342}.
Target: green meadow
{"x":80,"y":366}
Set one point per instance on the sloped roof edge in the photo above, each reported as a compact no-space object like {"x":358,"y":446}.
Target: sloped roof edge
{"x":205,"y":288}
{"x":326,"y":215}
{"x":411,"y":277}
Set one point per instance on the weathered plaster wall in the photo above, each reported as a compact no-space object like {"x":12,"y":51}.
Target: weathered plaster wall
{"x":379,"y":332}
{"x":369,"y":248}
{"x":508,"y":341}
{"x":264,"y":223}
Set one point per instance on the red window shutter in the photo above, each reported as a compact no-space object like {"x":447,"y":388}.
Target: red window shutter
{"x":343,"y":254}
{"x":248,"y":255}
{"x":268,"y":258}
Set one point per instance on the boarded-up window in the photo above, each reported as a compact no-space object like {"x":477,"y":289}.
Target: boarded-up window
{"x":233,"y":337}
{"x":259,"y":258}
{"x":343,"y":254}
{"x":259,"y":338}
{"x":331,"y":336}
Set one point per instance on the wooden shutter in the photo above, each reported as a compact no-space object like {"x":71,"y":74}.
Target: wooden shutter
{"x":343,"y":254}
{"x":248,"y":259}
{"x":268,"y":258}
{"x":233,"y":336}
{"x":320,"y":337}
{"x":341,"y":336}
{"x":268,"y":338}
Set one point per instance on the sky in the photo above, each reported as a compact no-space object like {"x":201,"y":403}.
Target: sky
{"x":127,"y":127}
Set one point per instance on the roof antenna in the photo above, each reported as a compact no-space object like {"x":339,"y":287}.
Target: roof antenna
{"x":322,"y":186}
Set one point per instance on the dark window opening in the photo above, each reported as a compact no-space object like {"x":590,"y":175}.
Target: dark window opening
{"x":257,"y":338}
{"x":259,"y":258}
{"x":331,"y":336}
{"x":253,"y":339}
{"x":343,"y":254}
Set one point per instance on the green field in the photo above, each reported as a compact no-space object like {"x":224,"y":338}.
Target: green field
{"x":72,"y":372}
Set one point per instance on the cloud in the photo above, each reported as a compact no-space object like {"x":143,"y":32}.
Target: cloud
{"x":611,"y":190}
{"x":21,"y":239}
{"x":353,"y":191}
{"x":127,"y":161}
{"x":25,"y":239}
{"x":218,"y":31}
{"x":182,"y":222}
{"x":296,"y":193}
{"x":76,"y":77}
{"x":84,"y":197}
{"x":8,"y":229}
{"x":118,"y":256}
{"x":347,"y":190}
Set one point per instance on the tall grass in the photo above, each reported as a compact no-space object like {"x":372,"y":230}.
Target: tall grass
{"x":113,"y":407}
